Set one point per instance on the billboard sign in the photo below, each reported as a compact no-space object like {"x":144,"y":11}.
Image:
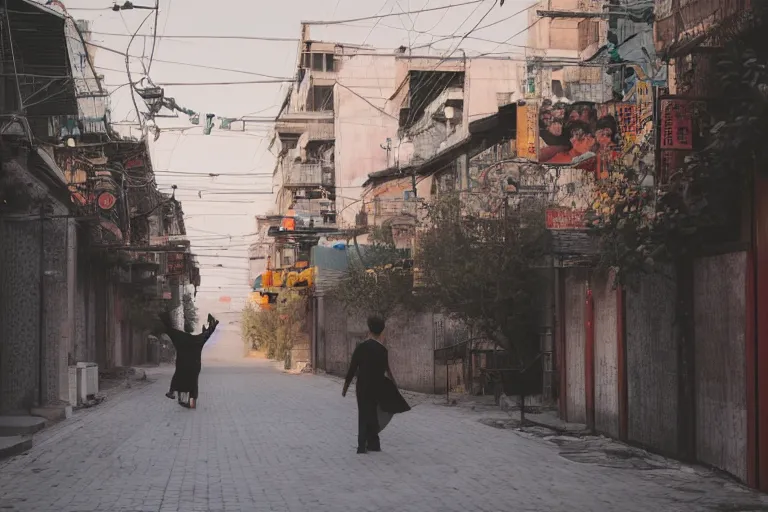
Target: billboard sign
{"x":562,"y":218}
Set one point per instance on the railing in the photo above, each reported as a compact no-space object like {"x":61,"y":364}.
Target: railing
{"x":307,"y":175}
{"x":394,"y":207}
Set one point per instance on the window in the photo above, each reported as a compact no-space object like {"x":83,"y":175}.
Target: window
{"x":589,"y":33}
{"x":318,"y":61}
{"x":320,"y":98}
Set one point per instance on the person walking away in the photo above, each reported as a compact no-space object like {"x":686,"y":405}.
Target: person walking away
{"x":370,"y":362}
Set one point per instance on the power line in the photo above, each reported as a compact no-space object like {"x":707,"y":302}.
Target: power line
{"x":213,"y":174}
{"x":367,"y":101}
{"x":379,"y":16}
{"x":492,"y":52}
{"x":378,"y":20}
{"x":244,"y":82}
{"x":154,"y":36}
{"x":188,"y":64}
{"x":128,"y":71}
{"x":208,"y":36}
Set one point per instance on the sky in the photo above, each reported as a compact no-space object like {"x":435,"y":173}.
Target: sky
{"x":219,"y":223}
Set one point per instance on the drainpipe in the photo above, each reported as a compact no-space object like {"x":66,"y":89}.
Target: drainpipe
{"x":41,"y":313}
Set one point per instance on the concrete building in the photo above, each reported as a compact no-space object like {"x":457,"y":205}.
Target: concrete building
{"x":77,"y":204}
{"x":356,"y":110}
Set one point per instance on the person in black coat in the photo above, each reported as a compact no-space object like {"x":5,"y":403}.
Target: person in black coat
{"x":370,"y":362}
{"x":189,"y":348}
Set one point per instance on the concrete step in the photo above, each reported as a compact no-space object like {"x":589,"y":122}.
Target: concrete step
{"x":20,"y":425}
{"x":53,"y":412}
{"x":15,"y":445}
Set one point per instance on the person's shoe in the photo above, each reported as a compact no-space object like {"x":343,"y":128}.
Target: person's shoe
{"x":171,"y":395}
{"x":361,"y":451}
{"x":374,"y":449}
{"x":184,"y":405}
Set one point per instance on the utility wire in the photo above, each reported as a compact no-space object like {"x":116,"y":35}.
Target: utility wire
{"x":244,"y":82}
{"x":154,"y":36}
{"x":379,"y":16}
{"x":366,"y":100}
{"x":207,"y":36}
{"x":188,"y":64}
{"x":128,"y":71}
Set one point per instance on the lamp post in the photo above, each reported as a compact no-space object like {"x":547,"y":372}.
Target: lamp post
{"x":128,"y":5}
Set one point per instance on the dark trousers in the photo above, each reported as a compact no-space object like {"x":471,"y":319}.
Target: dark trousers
{"x":367,"y":424}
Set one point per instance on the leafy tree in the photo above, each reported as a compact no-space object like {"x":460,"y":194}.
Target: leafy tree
{"x":483,"y":270}
{"x":702,"y":200}
{"x":277,"y":329}
{"x":379,"y":279}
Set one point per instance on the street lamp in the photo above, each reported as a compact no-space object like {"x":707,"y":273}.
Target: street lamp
{"x":128,"y":5}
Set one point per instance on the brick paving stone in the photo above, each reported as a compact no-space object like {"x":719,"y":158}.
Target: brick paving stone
{"x":263,"y":440}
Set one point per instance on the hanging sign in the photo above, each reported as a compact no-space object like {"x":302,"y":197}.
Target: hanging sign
{"x":560,"y":218}
{"x":676,"y":124}
{"x":106,"y":200}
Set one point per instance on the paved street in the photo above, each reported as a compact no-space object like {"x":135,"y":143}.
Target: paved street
{"x":263,"y":440}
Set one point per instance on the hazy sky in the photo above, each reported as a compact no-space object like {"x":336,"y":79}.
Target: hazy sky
{"x":246,"y":153}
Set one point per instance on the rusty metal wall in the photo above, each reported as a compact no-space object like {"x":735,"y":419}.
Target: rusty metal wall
{"x":575,"y":341}
{"x":720,"y":327}
{"x":606,"y":356}
{"x":652,"y":370}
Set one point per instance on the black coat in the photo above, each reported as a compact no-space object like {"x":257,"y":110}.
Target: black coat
{"x":189,"y":349}
{"x":370,"y":363}
{"x":390,"y":399}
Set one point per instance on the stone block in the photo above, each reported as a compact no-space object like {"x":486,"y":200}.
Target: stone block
{"x":20,"y":425}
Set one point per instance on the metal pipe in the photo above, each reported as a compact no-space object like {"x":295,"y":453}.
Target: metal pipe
{"x":41,"y":313}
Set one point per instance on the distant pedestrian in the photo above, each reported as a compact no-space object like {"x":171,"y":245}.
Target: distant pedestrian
{"x":189,"y":348}
{"x":376,"y":389}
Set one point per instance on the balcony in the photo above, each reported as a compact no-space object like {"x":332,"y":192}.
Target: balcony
{"x":382,"y":210}
{"x":308,"y":175}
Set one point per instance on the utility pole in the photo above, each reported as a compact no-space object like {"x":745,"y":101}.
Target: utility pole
{"x":387,"y":148}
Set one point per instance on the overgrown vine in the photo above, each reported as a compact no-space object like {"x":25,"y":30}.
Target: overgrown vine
{"x":701,"y":201}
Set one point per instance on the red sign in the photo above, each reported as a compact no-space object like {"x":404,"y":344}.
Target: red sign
{"x":225,"y":299}
{"x":565,"y":219}
{"x":176,"y":263}
{"x":676,"y":124}
{"x":132,"y":164}
{"x":106,"y":200}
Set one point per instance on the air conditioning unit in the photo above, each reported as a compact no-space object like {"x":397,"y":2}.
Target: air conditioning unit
{"x":87,"y":381}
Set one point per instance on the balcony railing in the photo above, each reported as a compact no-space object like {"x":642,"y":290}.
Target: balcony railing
{"x":382,"y":209}
{"x":308,"y":175}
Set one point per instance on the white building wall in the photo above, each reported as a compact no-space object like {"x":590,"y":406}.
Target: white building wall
{"x":365,"y":82}
{"x":485,"y":78}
